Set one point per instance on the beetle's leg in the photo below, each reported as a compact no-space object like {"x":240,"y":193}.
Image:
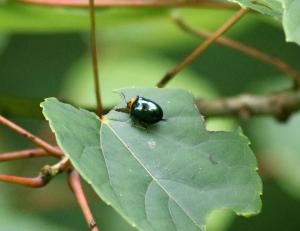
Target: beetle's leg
{"x":138,"y":124}
{"x":124,"y":110}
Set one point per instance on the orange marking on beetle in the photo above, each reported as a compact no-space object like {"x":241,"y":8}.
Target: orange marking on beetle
{"x":130,"y":102}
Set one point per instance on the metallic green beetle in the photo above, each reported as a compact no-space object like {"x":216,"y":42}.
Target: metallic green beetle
{"x":144,"y":110}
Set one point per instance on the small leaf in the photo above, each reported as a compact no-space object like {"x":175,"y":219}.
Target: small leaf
{"x":269,"y":7}
{"x":170,"y":176}
{"x":291,"y":20}
{"x":286,"y":11}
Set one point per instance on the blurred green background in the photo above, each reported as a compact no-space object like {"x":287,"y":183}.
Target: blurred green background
{"x":45,"y":52}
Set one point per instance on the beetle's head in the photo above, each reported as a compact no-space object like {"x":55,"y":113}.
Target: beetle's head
{"x":130,"y":102}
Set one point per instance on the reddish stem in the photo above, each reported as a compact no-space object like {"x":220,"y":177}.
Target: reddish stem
{"x":54,"y":151}
{"x":134,"y":3}
{"x":201,"y":48}
{"x":93,"y":42}
{"x":35,"y":182}
{"x":29,"y":153}
{"x":76,"y":187}
{"x":46,"y":174}
{"x":248,"y":50}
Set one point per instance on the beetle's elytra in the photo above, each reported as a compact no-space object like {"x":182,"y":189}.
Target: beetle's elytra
{"x":144,"y":110}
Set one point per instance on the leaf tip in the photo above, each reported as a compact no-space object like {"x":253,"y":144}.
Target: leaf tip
{"x":46,"y":100}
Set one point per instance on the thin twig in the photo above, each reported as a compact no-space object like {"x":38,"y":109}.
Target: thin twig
{"x":94,"y":58}
{"x":76,"y":187}
{"x":201,"y":48}
{"x":280,"y":105}
{"x":46,"y":174}
{"x":35,"y":182}
{"x":34,"y":139}
{"x":251,"y":51}
{"x":136,"y":3}
{"x":23,"y":154}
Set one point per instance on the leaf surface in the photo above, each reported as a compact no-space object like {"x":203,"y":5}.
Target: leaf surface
{"x":169,"y":176}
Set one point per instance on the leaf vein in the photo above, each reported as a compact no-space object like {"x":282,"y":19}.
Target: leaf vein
{"x":153,"y":177}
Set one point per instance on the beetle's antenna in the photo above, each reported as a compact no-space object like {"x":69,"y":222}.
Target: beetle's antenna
{"x":124,"y":97}
{"x":125,"y":110}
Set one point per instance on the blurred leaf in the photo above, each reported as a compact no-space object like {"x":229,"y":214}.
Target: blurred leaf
{"x":162,"y":31}
{"x":21,"y":17}
{"x":220,"y":220}
{"x":280,"y":212}
{"x":13,"y":220}
{"x":20,"y":107}
{"x":118,"y":70}
{"x":169,"y":177}
{"x":32,"y":65}
{"x":279,"y":146}
{"x":3,"y":41}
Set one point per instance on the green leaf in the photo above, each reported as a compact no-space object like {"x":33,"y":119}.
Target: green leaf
{"x":20,"y":17}
{"x":269,"y":7}
{"x":28,"y":221}
{"x":286,"y":11}
{"x":291,"y":20}
{"x":170,"y":176}
{"x":3,"y":42}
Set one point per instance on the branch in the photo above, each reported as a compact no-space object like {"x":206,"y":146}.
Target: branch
{"x":34,"y":139}
{"x":135,"y":3}
{"x":201,"y":48}
{"x":253,"y":52}
{"x":36,"y":182}
{"x":29,"y":153}
{"x":280,"y":105}
{"x":9,"y":107}
{"x":94,"y":58}
{"x":46,"y":174}
{"x":218,"y":107}
{"x":76,"y":188}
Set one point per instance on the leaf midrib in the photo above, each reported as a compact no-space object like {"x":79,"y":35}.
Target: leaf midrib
{"x":154,"y":178}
